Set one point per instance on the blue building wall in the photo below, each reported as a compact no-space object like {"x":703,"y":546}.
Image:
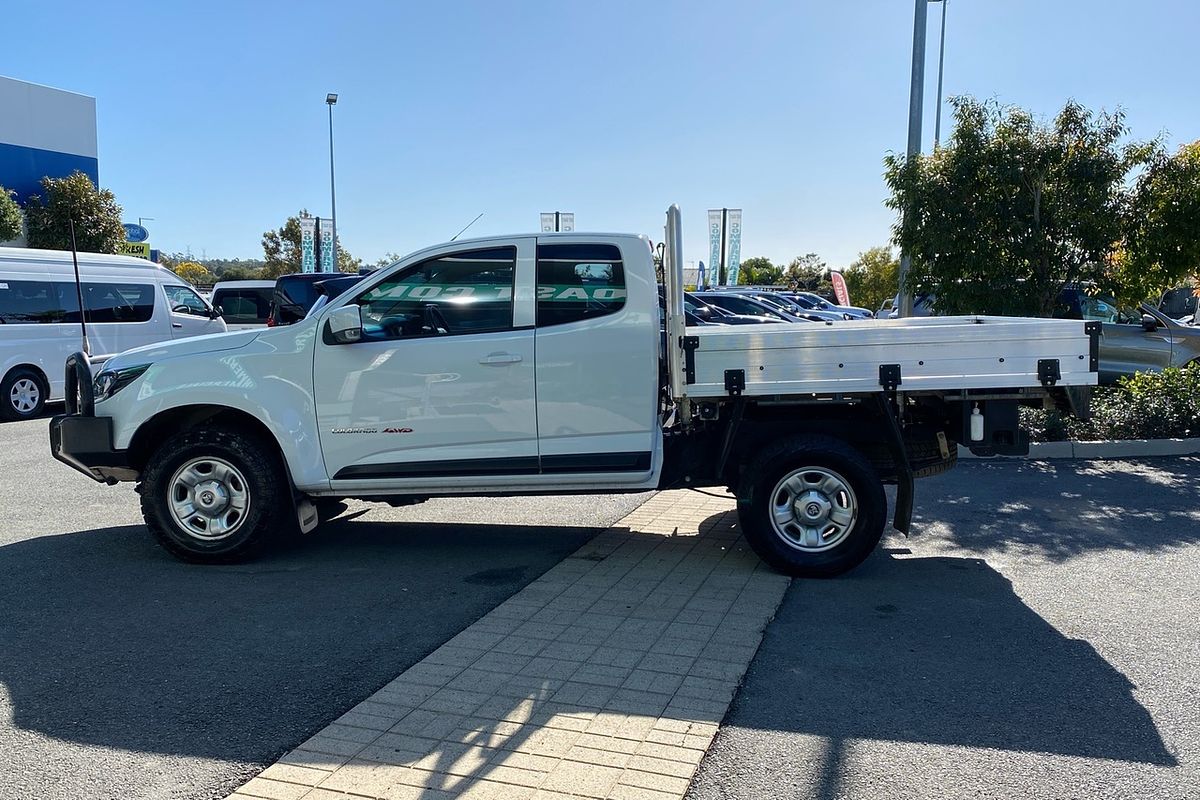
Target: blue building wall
{"x":44,"y":132}
{"x":22,"y":168}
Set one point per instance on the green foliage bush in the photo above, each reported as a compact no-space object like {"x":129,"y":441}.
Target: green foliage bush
{"x":1148,"y":405}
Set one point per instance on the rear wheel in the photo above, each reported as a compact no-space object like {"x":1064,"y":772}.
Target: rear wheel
{"x":22,"y":395}
{"x":215,"y":496}
{"x":812,"y":507}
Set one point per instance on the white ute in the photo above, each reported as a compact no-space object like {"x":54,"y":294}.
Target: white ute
{"x":541,"y":364}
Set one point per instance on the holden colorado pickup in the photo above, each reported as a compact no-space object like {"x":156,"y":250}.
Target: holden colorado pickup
{"x":547,"y":364}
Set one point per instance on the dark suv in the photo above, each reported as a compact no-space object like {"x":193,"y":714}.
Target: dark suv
{"x":294,"y":295}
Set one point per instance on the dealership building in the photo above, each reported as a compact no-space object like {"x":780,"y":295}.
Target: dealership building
{"x":44,"y":131}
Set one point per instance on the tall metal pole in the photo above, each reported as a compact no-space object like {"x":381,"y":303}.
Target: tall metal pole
{"x":332,"y":192}
{"x":724,"y":226}
{"x":937,"y":125}
{"x":916,"y":90}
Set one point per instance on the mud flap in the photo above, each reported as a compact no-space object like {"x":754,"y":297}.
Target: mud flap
{"x":902,"y":519}
{"x":306,"y":515}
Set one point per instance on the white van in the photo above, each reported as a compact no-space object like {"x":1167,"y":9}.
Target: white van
{"x":129,"y":302}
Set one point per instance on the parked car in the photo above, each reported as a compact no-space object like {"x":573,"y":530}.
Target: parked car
{"x":779,"y":300}
{"x":816,"y":302}
{"x":922,"y":306}
{"x":1180,"y":304}
{"x":128,"y":301}
{"x":331,"y":288}
{"x":294,"y":295}
{"x":748,"y":306}
{"x":1138,"y":340}
{"x":243,"y":304}
{"x":698,"y":312}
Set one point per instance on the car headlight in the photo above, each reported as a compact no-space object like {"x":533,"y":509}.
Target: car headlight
{"x":109,"y":382}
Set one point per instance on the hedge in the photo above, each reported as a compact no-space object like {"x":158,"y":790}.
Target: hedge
{"x":1148,"y":405}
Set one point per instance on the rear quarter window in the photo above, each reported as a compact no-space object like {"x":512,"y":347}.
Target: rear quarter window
{"x":578,"y":281}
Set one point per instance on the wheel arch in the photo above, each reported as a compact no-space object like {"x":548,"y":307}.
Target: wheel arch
{"x":181,"y":418}
{"x":30,"y":367}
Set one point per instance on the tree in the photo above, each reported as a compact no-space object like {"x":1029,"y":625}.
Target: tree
{"x":872,"y":278}
{"x":1011,"y":209}
{"x":386,"y":260}
{"x":281,"y":251}
{"x":95,"y":212}
{"x":808,"y":273}
{"x":759,"y":271}
{"x":193,"y":273}
{"x":1162,"y":248}
{"x":11,"y":218}
{"x":239,"y":274}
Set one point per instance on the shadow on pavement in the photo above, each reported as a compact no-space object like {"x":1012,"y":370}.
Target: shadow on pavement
{"x":105,"y":639}
{"x":1061,"y":509}
{"x":938,"y":651}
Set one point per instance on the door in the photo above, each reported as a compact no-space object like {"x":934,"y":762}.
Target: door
{"x":1127,"y":347}
{"x":189,"y":314}
{"x":441,"y":387}
{"x":121,"y":313}
{"x":597,"y":362}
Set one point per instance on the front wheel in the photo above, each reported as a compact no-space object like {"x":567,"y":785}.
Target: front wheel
{"x":214,"y":496}
{"x":812,"y":507}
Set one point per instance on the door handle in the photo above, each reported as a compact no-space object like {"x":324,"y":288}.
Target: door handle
{"x":176,"y":324}
{"x":500,"y":358}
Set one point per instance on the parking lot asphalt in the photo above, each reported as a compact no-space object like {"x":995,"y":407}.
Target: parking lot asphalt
{"x":1037,"y":636}
{"x":126,"y":674}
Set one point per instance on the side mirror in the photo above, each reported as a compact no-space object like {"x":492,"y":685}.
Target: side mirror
{"x":217,"y":312}
{"x":344,"y":325}
{"x":1149,"y":323}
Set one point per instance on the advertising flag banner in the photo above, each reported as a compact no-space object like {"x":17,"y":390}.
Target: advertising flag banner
{"x":714,"y":242}
{"x":327,"y":264}
{"x":839,"y":288}
{"x":735,"y":244}
{"x":700,"y":276}
{"x":308,"y":255}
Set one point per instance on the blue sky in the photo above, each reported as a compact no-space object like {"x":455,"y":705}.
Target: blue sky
{"x":212,"y":119}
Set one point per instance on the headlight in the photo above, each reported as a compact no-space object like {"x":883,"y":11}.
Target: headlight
{"x":109,"y":382}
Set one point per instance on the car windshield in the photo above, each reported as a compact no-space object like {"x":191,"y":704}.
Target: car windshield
{"x":776,"y":302}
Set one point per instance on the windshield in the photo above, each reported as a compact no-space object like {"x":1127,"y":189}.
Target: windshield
{"x":815,"y":301}
{"x":777,"y":302}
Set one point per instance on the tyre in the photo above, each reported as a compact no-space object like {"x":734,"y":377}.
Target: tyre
{"x":216,"y":496}
{"x":23,"y":395}
{"x":812,"y":507}
{"x":925,"y":455}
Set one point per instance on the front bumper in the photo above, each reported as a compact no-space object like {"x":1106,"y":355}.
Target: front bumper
{"x":85,"y":443}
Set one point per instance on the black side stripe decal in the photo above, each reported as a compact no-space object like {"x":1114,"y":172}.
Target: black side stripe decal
{"x":524,"y":465}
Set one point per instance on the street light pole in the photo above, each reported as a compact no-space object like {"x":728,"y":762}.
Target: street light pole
{"x":915,"y":97}
{"x":937,"y":125}
{"x":331,"y":101}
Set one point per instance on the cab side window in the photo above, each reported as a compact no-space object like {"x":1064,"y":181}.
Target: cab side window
{"x":182,"y":300}
{"x":577,"y":282}
{"x":458,"y":293}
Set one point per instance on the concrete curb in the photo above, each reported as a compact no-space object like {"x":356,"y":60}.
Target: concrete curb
{"x":1131,"y":448}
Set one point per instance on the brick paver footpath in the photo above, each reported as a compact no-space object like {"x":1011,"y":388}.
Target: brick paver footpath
{"x":604,"y":678}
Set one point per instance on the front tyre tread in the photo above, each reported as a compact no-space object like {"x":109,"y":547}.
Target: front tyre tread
{"x":270,"y":510}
